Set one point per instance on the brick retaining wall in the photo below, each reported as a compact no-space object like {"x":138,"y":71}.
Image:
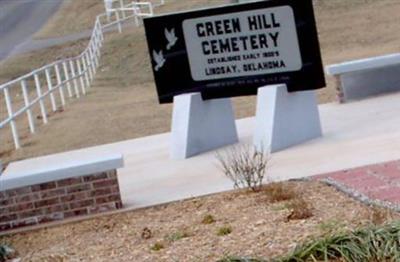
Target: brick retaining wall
{"x":58,"y":200}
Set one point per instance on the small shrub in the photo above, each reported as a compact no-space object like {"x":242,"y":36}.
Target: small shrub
{"x":379,"y":216}
{"x":177,"y":236}
{"x":157,"y":246}
{"x":223,"y":231}
{"x":7,"y":253}
{"x":245,"y":166}
{"x":277,"y":192}
{"x":299,"y":210}
{"x":208,"y":219}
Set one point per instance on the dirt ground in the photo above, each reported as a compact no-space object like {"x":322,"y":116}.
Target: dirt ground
{"x":122,"y":103}
{"x":260,"y":230}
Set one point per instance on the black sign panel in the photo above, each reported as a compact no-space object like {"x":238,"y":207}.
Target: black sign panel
{"x":233,"y":50}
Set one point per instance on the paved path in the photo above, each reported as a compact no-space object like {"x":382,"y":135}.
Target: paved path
{"x":379,"y":183}
{"x":355,"y":134}
{"x":20,"y":19}
{"x":37,"y":44}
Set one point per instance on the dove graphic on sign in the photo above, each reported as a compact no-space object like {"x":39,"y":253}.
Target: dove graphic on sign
{"x":159,"y":59}
{"x":171,"y":37}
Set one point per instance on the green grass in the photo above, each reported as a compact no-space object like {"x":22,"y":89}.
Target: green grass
{"x":375,"y":243}
{"x":233,"y":259}
{"x":177,"y":236}
{"x":370,"y":244}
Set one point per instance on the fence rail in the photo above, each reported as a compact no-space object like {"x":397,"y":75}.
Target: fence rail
{"x":70,"y":77}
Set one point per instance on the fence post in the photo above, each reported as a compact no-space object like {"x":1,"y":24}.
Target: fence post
{"x":27,"y":105}
{"x":67,"y":79}
{"x":91,"y":60}
{"x":14,"y":130}
{"x":119,"y":22}
{"x":121,"y":3}
{"x":39,"y":94}
{"x":97,"y":45}
{"x":95,"y":58}
{"x":89,"y":65}
{"x":71,"y":65}
{"x":50,"y":87}
{"x":151,"y":9}
{"x":85,"y":69}
{"x":101,"y":31}
{"x":136,"y":15}
{"x":81,"y":76}
{"x":59,"y":84}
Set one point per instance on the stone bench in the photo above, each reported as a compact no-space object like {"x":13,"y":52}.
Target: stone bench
{"x":58,"y":187}
{"x":366,"y":77}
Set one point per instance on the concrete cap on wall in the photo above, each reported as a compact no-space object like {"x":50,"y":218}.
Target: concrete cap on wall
{"x":57,"y":167}
{"x":364,"y":64}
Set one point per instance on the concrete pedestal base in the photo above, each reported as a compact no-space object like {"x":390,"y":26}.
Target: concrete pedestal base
{"x":199,"y":126}
{"x":285,"y":119}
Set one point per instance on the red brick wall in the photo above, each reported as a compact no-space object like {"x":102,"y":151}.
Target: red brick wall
{"x":58,"y":200}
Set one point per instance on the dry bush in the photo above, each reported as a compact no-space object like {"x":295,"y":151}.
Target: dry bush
{"x":157,"y":246}
{"x":299,"y":209}
{"x":146,"y":233}
{"x":277,"y":192}
{"x":208,"y":219}
{"x":7,"y":253}
{"x":223,"y":231}
{"x":379,"y":216}
{"x":245,"y":166}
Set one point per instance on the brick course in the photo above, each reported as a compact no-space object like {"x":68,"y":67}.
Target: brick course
{"x":58,"y":200}
{"x":378,"y":183}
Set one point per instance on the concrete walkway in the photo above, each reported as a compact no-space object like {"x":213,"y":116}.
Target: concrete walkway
{"x":37,"y":44}
{"x":19,"y":20}
{"x":355,"y":134}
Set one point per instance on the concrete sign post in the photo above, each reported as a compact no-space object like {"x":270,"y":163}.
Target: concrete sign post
{"x":199,"y":126}
{"x":285,"y":119}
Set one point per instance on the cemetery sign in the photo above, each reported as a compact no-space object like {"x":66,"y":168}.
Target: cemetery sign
{"x":233,"y":50}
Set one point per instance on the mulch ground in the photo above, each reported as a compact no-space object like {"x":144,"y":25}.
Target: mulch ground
{"x":259,"y":228}
{"x":379,"y":183}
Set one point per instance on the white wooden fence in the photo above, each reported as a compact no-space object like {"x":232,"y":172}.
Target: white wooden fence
{"x":50,"y":86}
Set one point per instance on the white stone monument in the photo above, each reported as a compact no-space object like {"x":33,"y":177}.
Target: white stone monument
{"x":285,"y":119}
{"x":199,"y":126}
